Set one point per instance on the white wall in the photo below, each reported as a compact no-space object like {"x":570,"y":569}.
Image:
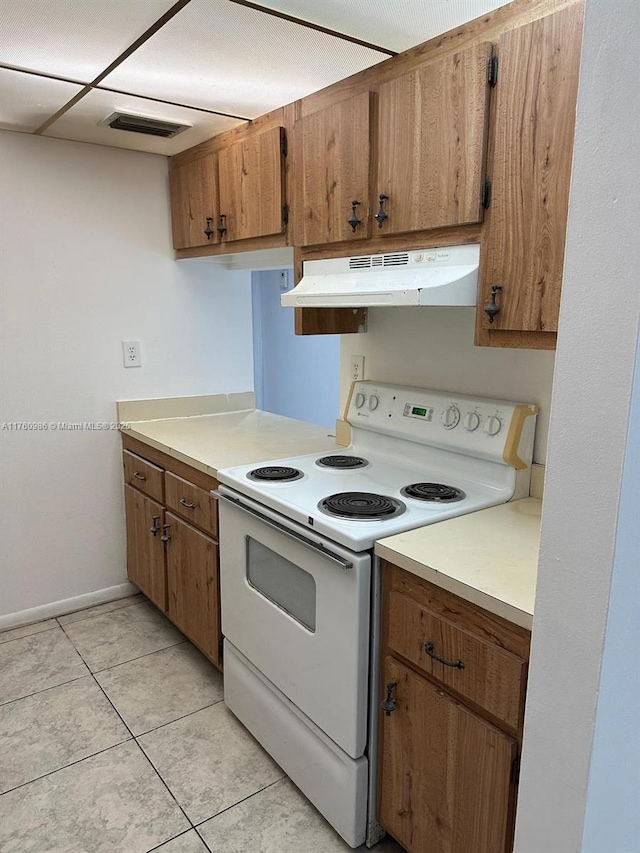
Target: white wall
{"x":433,"y":348}
{"x":597,"y":342}
{"x":86,"y":263}
{"x":612,"y":818}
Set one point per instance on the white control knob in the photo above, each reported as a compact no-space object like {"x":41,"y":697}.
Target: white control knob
{"x":451,"y":417}
{"x":471,"y":421}
{"x":492,"y":425}
{"x":373,"y":402}
{"x":360,"y":398}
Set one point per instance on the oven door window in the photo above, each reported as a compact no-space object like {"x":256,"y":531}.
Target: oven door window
{"x":282,"y":582}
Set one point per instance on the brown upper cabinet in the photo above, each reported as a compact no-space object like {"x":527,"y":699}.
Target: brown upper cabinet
{"x":193,"y":189}
{"x":334,"y":144}
{"x":522,"y":248}
{"x":251,"y":173}
{"x":432,"y":128}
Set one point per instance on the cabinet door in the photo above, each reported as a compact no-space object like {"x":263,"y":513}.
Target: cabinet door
{"x":193,"y":585}
{"x":145,"y":551}
{"x":193,"y":188}
{"x":432,"y":128}
{"x":445,"y":775}
{"x":523,"y":247}
{"x":251,"y":186}
{"x":334,"y":146}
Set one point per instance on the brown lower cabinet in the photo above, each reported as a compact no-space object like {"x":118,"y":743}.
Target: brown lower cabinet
{"x":448,"y":752}
{"x":172,"y":547}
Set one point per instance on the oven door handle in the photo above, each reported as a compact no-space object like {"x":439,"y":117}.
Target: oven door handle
{"x":281,"y":528}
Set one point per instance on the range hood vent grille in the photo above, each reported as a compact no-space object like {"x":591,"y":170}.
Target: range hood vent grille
{"x":362,"y":262}
{"x":144,"y":124}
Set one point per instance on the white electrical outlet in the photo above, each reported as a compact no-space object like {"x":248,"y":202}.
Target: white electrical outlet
{"x":131,"y":354}
{"x":357,"y":368}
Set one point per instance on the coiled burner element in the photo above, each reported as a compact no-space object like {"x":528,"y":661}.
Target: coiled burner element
{"x":361,"y":506}
{"x":343,"y":462}
{"x":434,"y":492}
{"x":275,"y":474}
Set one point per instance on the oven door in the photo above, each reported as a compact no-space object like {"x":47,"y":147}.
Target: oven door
{"x":297,"y":607}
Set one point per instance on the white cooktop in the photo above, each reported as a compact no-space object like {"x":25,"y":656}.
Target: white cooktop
{"x":406,"y":436}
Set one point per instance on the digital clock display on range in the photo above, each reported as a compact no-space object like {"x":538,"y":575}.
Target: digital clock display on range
{"x":418,"y":410}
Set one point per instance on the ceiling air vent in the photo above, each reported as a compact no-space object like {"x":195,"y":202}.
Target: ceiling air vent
{"x":143,"y":124}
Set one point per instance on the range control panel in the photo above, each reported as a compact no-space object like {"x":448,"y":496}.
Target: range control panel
{"x":491,"y":429}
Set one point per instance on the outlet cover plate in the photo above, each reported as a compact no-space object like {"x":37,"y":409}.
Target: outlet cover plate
{"x":131,"y":354}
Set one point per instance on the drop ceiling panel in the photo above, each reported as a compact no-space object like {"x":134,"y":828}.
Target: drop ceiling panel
{"x":27,"y":101}
{"x":226,"y":57}
{"x":396,"y":25}
{"x":76,"y":39}
{"x":81,"y":123}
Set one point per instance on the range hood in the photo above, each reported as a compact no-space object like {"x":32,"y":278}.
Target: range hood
{"x":443,"y":276}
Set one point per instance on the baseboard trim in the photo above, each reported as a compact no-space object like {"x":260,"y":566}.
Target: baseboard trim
{"x":67,"y":605}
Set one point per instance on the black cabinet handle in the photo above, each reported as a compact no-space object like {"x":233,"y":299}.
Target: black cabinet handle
{"x":208,"y":231}
{"x":165,"y":536}
{"x":222,"y":228}
{"x":381,"y":215}
{"x":430,"y":650}
{"x":154,"y":529}
{"x":354,"y":221}
{"x":388,"y":705}
{"x":492,"y":308}
{"x":184,"y":502}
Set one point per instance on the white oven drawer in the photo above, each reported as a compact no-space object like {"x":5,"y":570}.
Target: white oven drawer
{"x":299,"y":615}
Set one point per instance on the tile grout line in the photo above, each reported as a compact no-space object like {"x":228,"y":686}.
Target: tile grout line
{"x":65,"y":766}
{"x":102,"y":613}
{"x":196,"y":826}
{"x":135,"y":740}
{"x":44,"y":689}
{"x":26,"y":636}
{"x":182,"y":717}
{"x":145,"y":655}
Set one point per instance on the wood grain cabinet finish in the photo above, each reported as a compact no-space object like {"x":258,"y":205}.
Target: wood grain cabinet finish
{"x":446,"y":773}
{"x":522,"y":246}
{"x":143,"y":475}
{"x":145,"y":550}
{"x":194,"y":504}
{"x":449,"y":745}
{"x":333,"y":172}
{"x":172,"y":550}
{"x":192,"y":583}
{"x":251,"y":175}
{"x":432,"y":130}
{"x":193,"y":190}
{"x":480,"y":672}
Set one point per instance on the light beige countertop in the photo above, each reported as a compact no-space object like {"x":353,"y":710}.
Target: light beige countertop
{"x":488,"y":557}
{"x":211,"y":442}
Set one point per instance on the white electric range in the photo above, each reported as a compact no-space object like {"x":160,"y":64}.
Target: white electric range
{"x":300,"y":585}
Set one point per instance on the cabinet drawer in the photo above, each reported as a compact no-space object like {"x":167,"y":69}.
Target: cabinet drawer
{"x":142,"y":475}
{"x":481,"y":672}
{"x":192,"y":503}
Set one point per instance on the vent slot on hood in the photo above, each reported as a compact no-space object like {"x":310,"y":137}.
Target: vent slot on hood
{"x":447,"y":275}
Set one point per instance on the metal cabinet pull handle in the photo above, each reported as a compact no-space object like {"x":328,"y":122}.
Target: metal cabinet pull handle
{"x":154,"y":529}
{"x":381,"y":215}
{"x":354,"y":221}
{"x":430,"y":650}
{"x":165,"y":536}
{"x":184,"y":502}
{"x":139,"y":476}
{"x":492,"y":308}
{"x":222,"y":228}
{"x":208,"y":231}
{"x":388,"y":705}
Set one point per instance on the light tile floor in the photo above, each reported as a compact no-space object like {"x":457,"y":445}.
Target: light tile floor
{"x":114,"y":739}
